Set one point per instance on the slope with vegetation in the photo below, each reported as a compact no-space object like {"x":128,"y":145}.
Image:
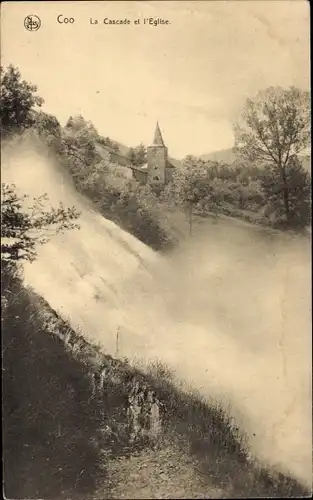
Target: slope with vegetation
{"x":64,"y":440}
{"x":67,"y":432}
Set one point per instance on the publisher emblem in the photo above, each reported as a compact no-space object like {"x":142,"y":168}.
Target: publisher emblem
{"x":32,"y":23}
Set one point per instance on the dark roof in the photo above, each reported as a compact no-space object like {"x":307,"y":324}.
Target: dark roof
{"x":101,"y":148}
{"x":170,"y":164}
{"x":175,"y":163}
{"x":144,"y":167}
{"x":143,"y":170}
{"x":158,"y":139}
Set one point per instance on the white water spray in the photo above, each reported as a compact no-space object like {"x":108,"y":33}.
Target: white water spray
{"x":229,"y":311}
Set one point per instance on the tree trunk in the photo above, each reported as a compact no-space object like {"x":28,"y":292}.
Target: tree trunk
{"x":285,"y":193}
{"x":117,"y":341}
{"x":190,"y":219}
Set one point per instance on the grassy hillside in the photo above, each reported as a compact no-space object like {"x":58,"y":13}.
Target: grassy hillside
{"x":224,"y":155}
{"x":49,"y":424}
{"x":63,"y":439}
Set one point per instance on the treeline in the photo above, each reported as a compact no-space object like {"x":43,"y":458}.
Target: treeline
{"x":253,"y":193}
{"x":266,"y":184}
{"x":111,"y":187}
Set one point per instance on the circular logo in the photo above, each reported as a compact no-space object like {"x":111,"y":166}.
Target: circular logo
{"x":32,"y":23}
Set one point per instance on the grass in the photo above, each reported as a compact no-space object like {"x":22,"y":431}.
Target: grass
{"x":48,"y":423}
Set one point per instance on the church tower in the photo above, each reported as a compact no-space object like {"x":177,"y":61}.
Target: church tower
{"x":157,"y":159}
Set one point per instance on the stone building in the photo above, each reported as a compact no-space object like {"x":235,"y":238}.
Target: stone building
{"x":159,"y":169}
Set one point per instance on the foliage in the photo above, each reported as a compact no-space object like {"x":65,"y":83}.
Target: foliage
{"x":78,"y":154}
{"x":274,"y":129}
{"x":55,"y":430}
{"x":138,"y":155}
{"x":78,"y":123}
{"x":276,"y":126}
{"x":78,"y":126}
{"x":24,"y":227}
{"x":211,"y":184}
{"x":18,"y":99}
{"x":242,"y":190}
{"x":137,"y":210}
{"x":299,"y":194}
{"x":266,"y":183}
{"x":131,"y":156}
{"x":106,"y":141}
{"x":119,"y":198}
{"x":202,"y":187}
{"x":48,"y":129}
{"x":191,"y":182}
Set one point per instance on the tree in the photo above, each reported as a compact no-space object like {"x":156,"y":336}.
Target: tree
{"x":138,"y":155}
{"x":48,"y":128}
{"x":78,"y":151}
{"x":24,"y":227}
{"x":18,"y":100}
{"x":299,"y":193}
{"x":78,"y":123}
{"x":274,"y":129}
{"x":190,"y":185}
{"x":106,"y":141}
{"x":131,"y":155}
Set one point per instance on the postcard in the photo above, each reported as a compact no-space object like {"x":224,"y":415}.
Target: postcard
{"x":156,"y":249}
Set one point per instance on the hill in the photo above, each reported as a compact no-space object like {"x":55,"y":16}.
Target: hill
{"x":72,"y":437}
{"x":228,"y":156}
{"x":223,"y":155}
{"x":123,"y":149}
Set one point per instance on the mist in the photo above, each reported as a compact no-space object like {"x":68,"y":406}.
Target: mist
{"x":229,"y":310}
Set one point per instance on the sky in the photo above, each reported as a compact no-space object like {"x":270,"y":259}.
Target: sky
{"x":192,"y":75}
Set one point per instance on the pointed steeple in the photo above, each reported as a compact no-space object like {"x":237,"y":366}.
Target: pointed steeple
{"x":158,"y":139}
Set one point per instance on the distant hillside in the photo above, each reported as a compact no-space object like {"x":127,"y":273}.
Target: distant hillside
{"x":224,"y":155}
{"x":124,"y":150}
{"x":103,"y":150}
{"x":228,"y":156}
